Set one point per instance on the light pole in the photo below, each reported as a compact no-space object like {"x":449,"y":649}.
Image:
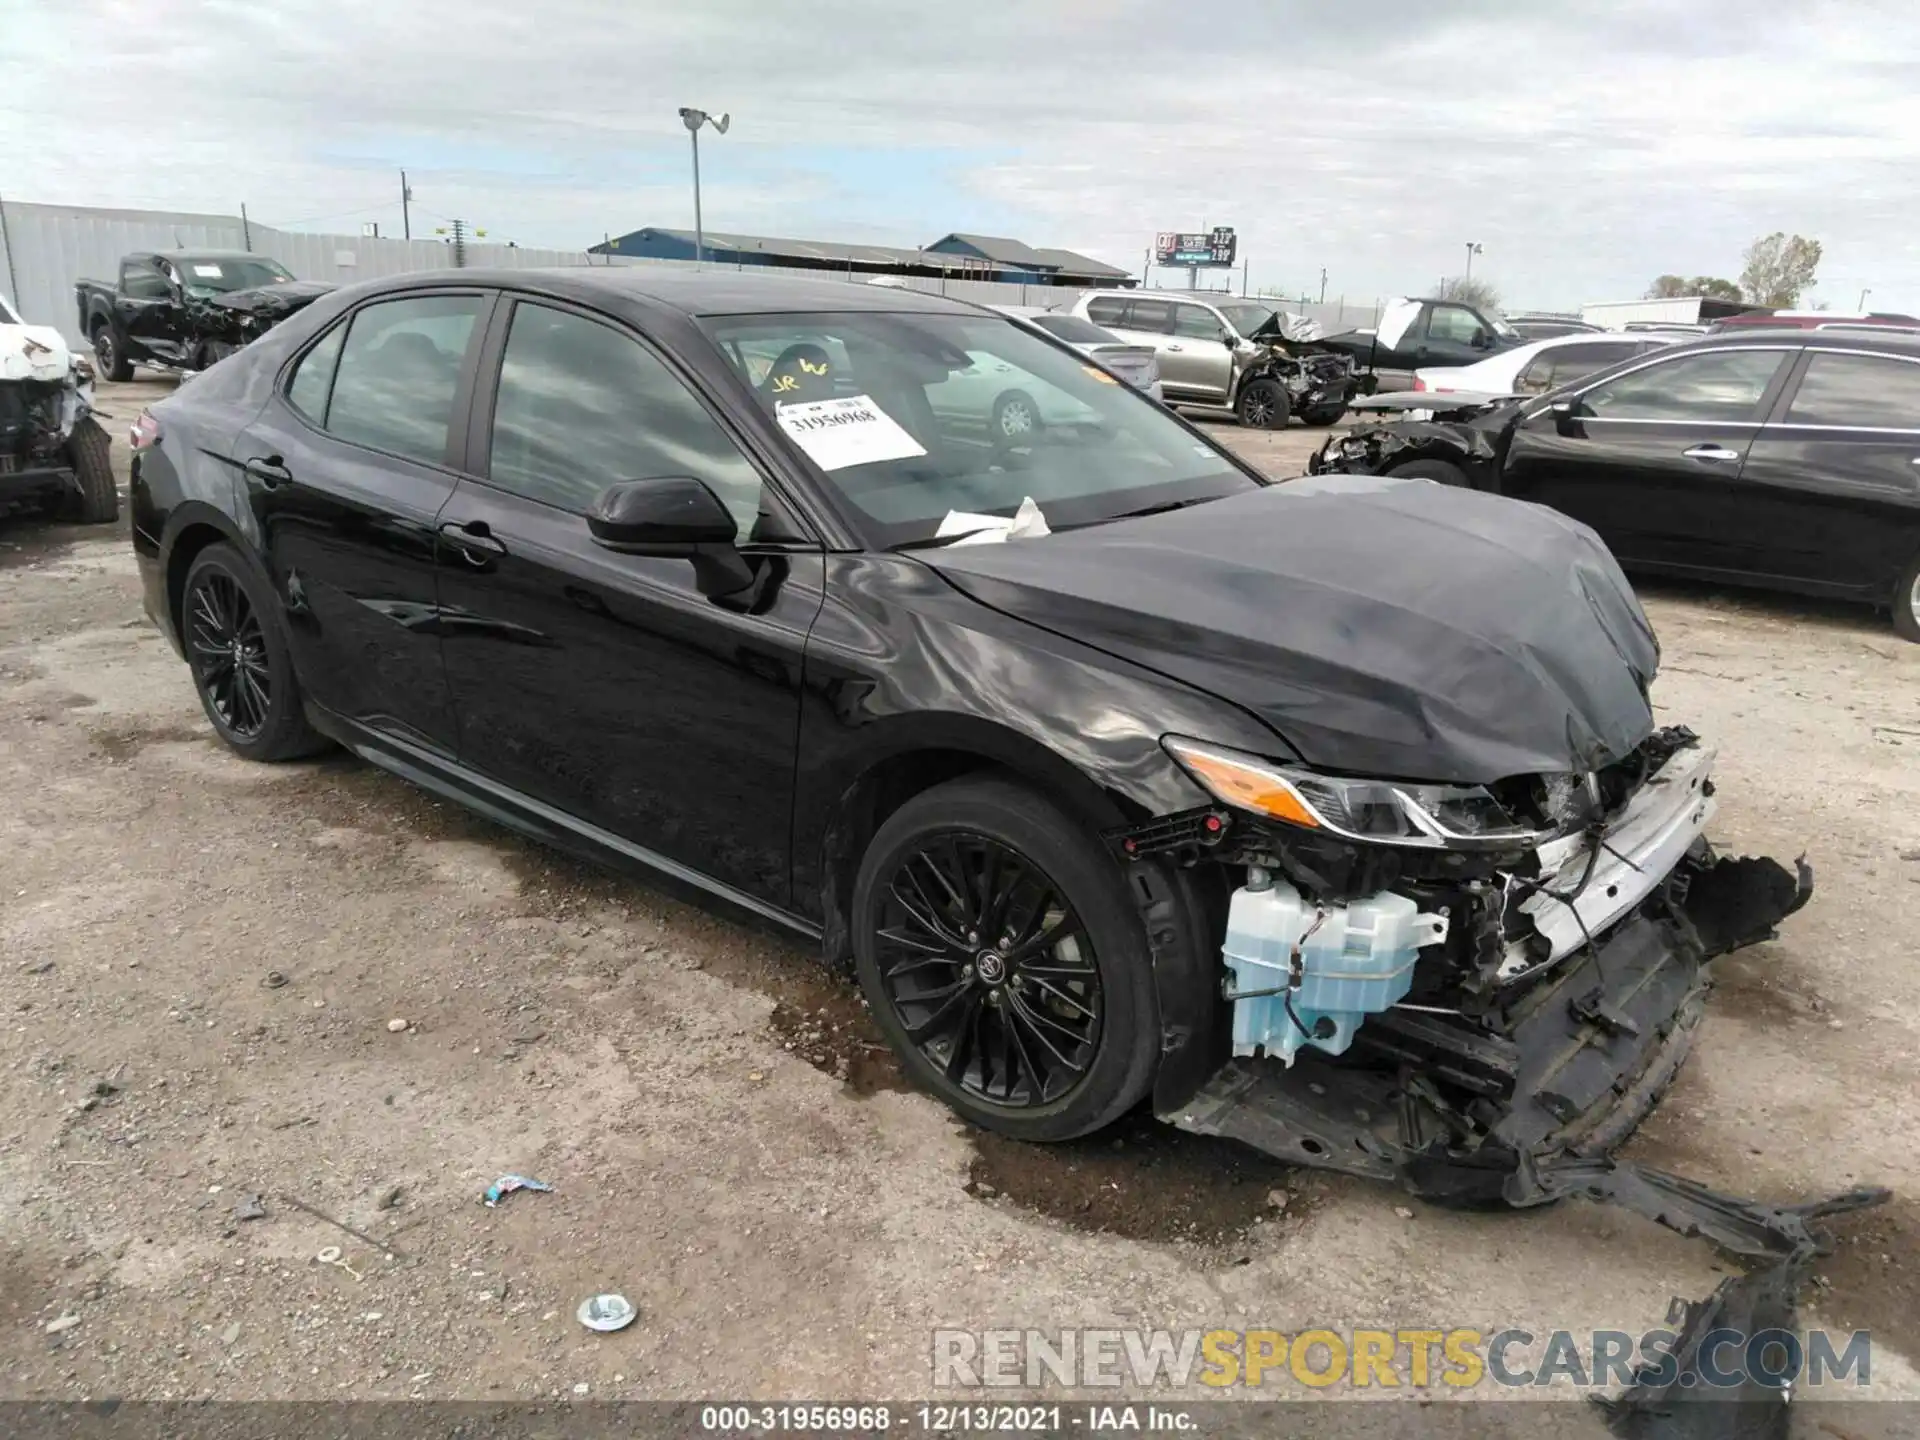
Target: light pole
{"x":1473,"y":249}
{"x":1862,"y":306}
{"x":693,"y":120}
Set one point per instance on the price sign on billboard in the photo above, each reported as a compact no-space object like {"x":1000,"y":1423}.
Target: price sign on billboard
{"x":1209,"y":247}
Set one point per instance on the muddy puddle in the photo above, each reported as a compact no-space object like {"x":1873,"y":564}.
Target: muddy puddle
{"x":1139,"y":1179}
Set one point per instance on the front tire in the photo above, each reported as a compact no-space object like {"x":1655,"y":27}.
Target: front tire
{"x":113,"y":365}
{"x":1906,"y":604}
{"x":1263,"y":405}
{"x":1005,"y":961}
{"x":1438,"y":471}
{"x":91,"y":454}
{"x":242,"y":667}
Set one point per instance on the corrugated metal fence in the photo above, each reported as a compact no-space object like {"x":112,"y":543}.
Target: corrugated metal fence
{"x":44,"y":249}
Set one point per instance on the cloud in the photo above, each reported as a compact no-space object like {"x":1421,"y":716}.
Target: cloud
{"x":1586,"y":148}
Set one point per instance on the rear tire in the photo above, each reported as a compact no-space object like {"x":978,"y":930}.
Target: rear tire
{"x":1263,"y":405}
{"x":242,"y":667}
{"x":1906,"y":604}
{"x":113,"y":365}
{"x":966,"y":984}
{"x":1438,"y":471}
{"x":90,"y":452}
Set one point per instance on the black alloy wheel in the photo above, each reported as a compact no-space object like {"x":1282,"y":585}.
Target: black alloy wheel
{"x":238,"y":655}
{"x":228,"y":650}
{"x":1004,"y":958}
{"x":1263,"y":405}
{"x":990,"y":970}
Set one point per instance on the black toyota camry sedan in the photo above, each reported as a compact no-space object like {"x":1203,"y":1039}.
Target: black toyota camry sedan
{"x":1330,"y":815}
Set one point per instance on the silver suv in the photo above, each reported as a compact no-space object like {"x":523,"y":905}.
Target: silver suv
{"x":1207,"y":355}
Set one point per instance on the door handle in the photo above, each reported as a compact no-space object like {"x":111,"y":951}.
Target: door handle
{"x":1717,"y":453}
{"x":475,"y":541}
{"x":269,"y":471}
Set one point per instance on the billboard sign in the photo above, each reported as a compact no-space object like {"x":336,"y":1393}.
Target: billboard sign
{"x":1210,"y":247}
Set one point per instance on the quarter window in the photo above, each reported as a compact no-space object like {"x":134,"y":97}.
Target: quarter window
{"x":398,"y":373}
{"x":581,"y":406}
{"x":1861,"y":391}
{"x":313,"y":376}
{"x":1107,"y":310}
{"x":1722,"y":386}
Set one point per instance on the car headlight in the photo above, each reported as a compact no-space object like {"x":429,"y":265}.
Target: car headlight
{"x":1374,"y":812}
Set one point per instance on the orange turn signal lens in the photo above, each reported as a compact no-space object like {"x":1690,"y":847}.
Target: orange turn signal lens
{"x":1237,"y":781}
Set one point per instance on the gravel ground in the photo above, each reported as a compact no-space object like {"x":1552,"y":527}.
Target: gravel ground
{"x":206,"y":965}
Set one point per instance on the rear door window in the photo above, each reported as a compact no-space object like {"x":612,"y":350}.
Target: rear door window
{"x":1857,"y":392}
{"x":1107,"y":310}
{"x":313,"y":376}
{"x":1151,"y":315}
{"x":399,"y":373}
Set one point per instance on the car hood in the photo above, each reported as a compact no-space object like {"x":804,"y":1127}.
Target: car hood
{"x":1380,"y":626}
{"x":273,"y":300}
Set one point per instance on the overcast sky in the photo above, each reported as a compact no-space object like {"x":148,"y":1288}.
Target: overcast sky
{"x":1587,"y":146}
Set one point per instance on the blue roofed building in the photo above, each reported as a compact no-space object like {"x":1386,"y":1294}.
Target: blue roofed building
{"x":955,"y":256}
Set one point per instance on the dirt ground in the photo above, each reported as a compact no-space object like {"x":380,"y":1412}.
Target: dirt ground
{"x":201,"y":961}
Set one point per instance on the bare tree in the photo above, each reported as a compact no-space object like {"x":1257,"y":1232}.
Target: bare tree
{"x":1779,"y":268}
{"x":1469,"y":290}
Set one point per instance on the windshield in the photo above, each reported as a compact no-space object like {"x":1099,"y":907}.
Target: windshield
{"x":1247,"y":317}
{"x":911,"y":416}
{"x":216,"y":275}
{"x":1074,"y":330}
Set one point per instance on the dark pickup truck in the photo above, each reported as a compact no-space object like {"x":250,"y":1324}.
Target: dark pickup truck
{"x":186,"y":309}
{"x":1416,"y":333}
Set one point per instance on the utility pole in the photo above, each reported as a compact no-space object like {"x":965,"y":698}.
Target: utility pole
{"x":406,"y":218}
{"x":246,"y":230}
{"x":1323,"y":284}
{"x":1472,"y":250}
{"x":459,"y":244}
{"x":693,"y":119}
{"x":1862,"y":306}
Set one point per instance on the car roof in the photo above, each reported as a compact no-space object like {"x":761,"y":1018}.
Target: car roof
{"x":692,"y":293}
{"x":204,"y":254}
{"x":1893,"y":341}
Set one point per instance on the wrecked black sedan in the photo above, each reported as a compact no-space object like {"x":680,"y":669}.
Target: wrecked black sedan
{"x":1332,"y":816}
{"x":1783,"y":459}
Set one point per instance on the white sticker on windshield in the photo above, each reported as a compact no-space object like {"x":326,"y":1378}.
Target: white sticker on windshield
{"x":207,"y":272}
{"x":849,"y":430}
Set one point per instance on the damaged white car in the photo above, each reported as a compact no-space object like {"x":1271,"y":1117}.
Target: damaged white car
{"x":53,"y":453}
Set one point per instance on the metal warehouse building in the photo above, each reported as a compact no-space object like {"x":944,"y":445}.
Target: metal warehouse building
{"x":957,"y":256}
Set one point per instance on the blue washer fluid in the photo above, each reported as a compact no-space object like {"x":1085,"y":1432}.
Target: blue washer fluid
{"x":1355,"y":960}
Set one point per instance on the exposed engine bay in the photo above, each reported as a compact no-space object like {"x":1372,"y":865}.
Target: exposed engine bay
{"x":46,"y":405}
{"x":1478,"y":992}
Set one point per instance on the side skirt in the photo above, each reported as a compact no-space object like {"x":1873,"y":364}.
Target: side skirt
{"x":449,"y":779}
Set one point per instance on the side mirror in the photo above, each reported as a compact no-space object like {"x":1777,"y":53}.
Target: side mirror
{"x":1566,"y":411}
{"x":674,"y":517}
{"x":1481,"y":340}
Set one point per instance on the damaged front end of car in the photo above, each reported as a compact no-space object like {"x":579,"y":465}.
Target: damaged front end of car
{"x":1474,"y":992}
{"x":45,"y":395}
{"x":223,"y":322}
{"x":1319,"y":382}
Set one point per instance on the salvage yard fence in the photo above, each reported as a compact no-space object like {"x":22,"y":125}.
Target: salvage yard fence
{"x":44,"y":249}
